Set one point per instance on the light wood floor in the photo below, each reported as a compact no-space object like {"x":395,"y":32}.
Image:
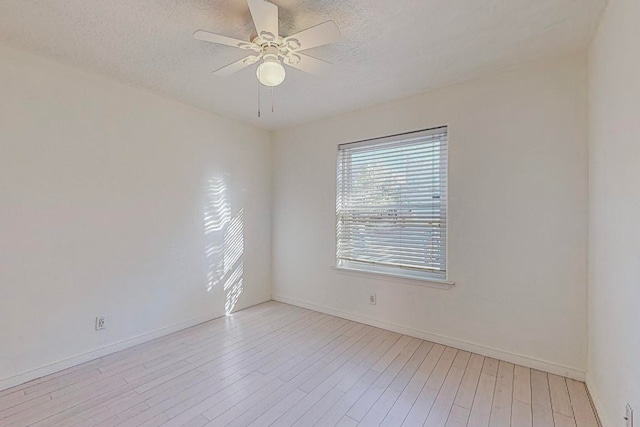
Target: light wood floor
{"x":280,"y":365}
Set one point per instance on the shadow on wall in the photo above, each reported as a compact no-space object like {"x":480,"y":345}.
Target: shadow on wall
{"x":224,"y":242}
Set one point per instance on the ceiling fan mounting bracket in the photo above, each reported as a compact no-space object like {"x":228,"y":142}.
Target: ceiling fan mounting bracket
{"x":265,"y":38}
{"x":276,"y":50}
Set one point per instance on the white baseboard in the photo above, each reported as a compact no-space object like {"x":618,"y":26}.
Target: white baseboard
{"x":111,"y":348}
{"x":529,"y":362}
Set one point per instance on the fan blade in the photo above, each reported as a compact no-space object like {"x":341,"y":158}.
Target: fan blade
{"x":265,"y":16}
{"x":236,"y":66}
{"x":325,"y":33}
{"x":220,"y":39}
{"x":309,"y":64}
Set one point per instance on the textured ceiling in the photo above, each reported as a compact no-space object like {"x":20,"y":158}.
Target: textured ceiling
{"x":390,"y":48}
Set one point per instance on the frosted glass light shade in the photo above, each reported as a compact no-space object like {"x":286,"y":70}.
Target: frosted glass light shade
{"x":271,"y":73}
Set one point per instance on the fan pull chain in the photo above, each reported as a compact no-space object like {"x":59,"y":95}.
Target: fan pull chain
{"x":258,"y":99}
{"x":272,"y":103}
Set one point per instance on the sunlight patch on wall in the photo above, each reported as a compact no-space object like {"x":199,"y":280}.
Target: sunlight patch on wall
{"x":217,"y":215}
{"x":233,"y":261}
{"x":224,"y":242}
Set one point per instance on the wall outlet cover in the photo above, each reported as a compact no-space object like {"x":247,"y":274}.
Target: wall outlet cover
{"x":100,"y":323}
{"x":372,"y":299}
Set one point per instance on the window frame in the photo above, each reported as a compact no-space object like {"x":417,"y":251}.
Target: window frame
{"x":397,"y":274}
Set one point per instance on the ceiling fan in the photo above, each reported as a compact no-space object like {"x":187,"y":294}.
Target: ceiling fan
{"x":273,"y":49}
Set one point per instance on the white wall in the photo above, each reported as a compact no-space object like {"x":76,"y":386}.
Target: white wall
{"x":518,"y":217}
{"x":104,"y":190}
{"x":614,"y":225}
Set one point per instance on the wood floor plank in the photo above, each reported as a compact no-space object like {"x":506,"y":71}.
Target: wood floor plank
{"x":375,"y":348}
{"x":119,"y":417}
{"x":276,"y":364}
{"x":359,"y":359}
{"x":391,"y":354}
{"x":502,"y":396}
{"x":521,"y":414}
{"x":276,"y":411}
{"x":427,"y":398}
{"x":469,"y":383}
{"x":238,"y":407}
{"x":311,"y":399}
{"x":540,"y":400}
{"x":224,"y":398}
{"x":442,"y":368}
{"x":13,"y":398}
{"x":288,"y":393}
{"x":347,"y":352}
{"x":522,"y":384}
{"x":381,"y":408}
{"x":340,"y":408}
{"x":483,"y":401}
{"x":582,"y":410}
{"x":199,"y":421}
{"x":313,"y":415}
{"x":347,"y":422}
{"x":403,"y":378}
{"x":360,"y":409}
{"x":442,"y":406}
{"x":458,"y":417}
{"x":560,"y":401}
{"x":490,"y":366}
{"x":421,"y":408}
{"x":560,"y":420}
{"x":356,"y":383}
{"x":405,"y":402}
{"x":323,"y":396}
{"x":156,"y":421}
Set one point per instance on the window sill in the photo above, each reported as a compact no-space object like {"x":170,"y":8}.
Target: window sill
{"x":400,"y":278}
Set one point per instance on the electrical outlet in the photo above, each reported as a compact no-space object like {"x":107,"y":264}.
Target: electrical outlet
{"x":100,"y":323}
{"x":629,"y":416}
{"x":372,"y":299}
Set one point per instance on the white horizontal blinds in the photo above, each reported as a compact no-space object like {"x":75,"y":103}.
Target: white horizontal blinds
{"x":392,"y":203}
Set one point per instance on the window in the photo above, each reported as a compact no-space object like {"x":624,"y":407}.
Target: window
{"x":391,"y":205}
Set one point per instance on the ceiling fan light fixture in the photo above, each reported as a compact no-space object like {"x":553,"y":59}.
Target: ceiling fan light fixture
{"x":272,"y":51}
{"x":271,"y":73}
